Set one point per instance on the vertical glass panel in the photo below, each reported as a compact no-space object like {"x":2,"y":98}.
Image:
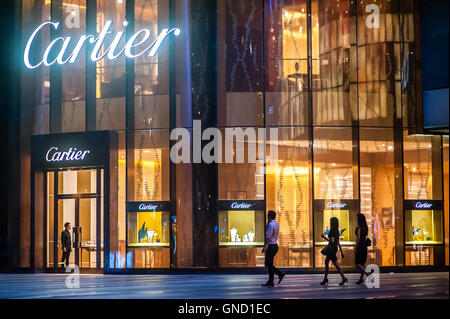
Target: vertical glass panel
{"x":334,"y":176}
{"x":110,"y":77}
{"x":77,"y":182}
{"x":446,"y":193}
{"x":242,"y":175}
{"x":66,"y":214}
{"x":288,"y":189}
{"x":377,"y":189}
{"x":74,"y":74}
{"x":287,"y":98}
{"x":102,"y":218}
{"x":151,"y":165}
{"x":88,"y":223}
{"x":332,"y":58}
{"x":379,"y":64}
{"x":121,"y":184}
{"x":422,"y":167}
{"x":151,"y":85}
{"x":50,"y":218}
{"x":35,"y":105}
{"x":407,"y":61}
{"x":240,"y":98}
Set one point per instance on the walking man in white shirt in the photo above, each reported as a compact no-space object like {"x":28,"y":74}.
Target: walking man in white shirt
{"x":271,"y":248}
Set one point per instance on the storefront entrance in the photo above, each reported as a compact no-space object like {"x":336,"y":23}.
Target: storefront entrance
{"x":74,"y":180}
{"x":75,"y":196}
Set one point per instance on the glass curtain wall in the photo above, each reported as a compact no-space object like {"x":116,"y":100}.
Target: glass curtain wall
{"x":334,"y":79}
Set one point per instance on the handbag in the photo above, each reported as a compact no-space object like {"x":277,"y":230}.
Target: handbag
{"x":327,"y":250}
{"x":368,"y":242}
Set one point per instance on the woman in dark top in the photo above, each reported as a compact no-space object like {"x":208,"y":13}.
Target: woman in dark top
{"x":332,"y":249}
{"x":361,"y":246}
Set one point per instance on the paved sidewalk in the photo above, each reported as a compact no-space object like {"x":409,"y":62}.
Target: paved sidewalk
{"x":204,"y":286}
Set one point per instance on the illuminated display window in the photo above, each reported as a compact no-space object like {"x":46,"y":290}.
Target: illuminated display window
{"x":346,"y":225}
{"x":423,"y":227}
{"x":241,"y":228}
{"x":146,"y":229}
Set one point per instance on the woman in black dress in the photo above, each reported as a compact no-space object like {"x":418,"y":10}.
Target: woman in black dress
{"x":361,"y":246}
{"x":331,"y":250}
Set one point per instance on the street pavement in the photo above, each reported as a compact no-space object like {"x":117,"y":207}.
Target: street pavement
{"x":216,"y":285}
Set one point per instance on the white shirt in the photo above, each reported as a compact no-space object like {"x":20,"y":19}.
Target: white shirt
{"x":272,"y":232}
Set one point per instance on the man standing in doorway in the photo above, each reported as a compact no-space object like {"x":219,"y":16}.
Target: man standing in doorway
{"x":271,"y":248}
{"x":66,"y":243}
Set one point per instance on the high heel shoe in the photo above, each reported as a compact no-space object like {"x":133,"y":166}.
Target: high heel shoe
{"x":359,"y":282}
{"x":343,"y":282}
{"x":325,"y":281}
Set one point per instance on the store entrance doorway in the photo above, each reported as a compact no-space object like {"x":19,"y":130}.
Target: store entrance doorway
{"x":75,"y":197}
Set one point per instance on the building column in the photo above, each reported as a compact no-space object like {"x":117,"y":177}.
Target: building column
{"x":204,"y":108}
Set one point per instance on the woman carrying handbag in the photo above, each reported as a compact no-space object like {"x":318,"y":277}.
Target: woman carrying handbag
{"x":331,"y":250}
{"x":362,"y":242}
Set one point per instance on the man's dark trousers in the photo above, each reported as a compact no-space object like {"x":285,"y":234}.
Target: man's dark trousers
{"x":65,"y":257}
{"x":271,"y":251}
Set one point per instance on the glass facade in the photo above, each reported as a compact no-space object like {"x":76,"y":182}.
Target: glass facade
{"x":331,"y":83}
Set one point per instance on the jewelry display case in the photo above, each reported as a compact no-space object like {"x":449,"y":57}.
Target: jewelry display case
{"x":148,"y":225}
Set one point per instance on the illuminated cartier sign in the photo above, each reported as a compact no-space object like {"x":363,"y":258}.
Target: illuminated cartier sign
{"x":240,"y":205}
{"x":53,"y":155}
{"x":147,"y":207}
{"x":112,"y":52}
{"x":335,"y":205}
{"x":423,"y":205}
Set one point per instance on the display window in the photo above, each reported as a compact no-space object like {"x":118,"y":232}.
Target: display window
{"x":149,"y":227}
{"x":240,"y":231}
{"x":424,"y":222}
{"x":424,"y":232}
{"x":237,"y":228}
{"x":423,"y":227}
{"x":345,"y":211}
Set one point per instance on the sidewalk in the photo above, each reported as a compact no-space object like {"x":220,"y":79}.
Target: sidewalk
{"x":398,"y":285}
